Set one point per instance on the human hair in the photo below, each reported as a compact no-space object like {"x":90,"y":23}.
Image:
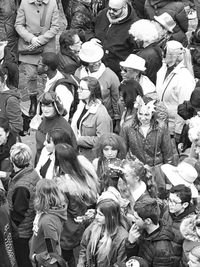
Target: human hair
{"x":20,"y":155}
{"x":183,"y":192}
{"x":83,"y":181}
{"x":94,"y":87}
{"x":2,"y":74}
{"x":111,"y":210}
{"x":48,"y":196}
{"x":50,"y":59}
{"x":196,"y":252}
{"x":67,"y":39}
{"x":137,"y":168}
{"x":12,"y":72}
{"x":4,"y":124}
{"x":59,"y":136}
{"x":148,"y":208}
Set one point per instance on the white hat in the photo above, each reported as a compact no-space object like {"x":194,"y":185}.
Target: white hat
{"x":91,"y":52}
{"x":184,"y":173}
{"x":166,"y":21}
{"x":134,"y":62}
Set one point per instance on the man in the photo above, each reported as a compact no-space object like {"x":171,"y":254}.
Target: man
{"x":148,"y":237}
{"x":111,"y":28}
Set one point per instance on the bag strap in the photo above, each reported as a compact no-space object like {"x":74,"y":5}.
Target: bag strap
{"x":167,"y":85}
{"x":43,"y":18}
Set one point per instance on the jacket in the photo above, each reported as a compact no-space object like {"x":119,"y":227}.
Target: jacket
{"x":117,"y":255}
{"x":176,"y":10}
{"x":174,"y":90}
{"x":155,"y":149}
{"x":28,"y":25}
{"x":93,"y":124}
{"x":10,"y":109}
{"x":155,"y":248}
{"x":115,"y":38}
{"x":68,"y":62}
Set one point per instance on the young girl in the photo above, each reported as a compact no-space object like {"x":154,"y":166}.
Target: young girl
{"x":110,"y":149}
{"x":103,"y":242}
{"x":51,"y":213}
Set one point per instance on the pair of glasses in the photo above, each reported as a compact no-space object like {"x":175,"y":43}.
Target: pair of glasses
{"x":115,"y":10}
{"x":81,"y":89}
{"x":173,"y":202}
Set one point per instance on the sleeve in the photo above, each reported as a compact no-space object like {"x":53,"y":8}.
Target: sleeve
{"x":20,"y":202}
{"x":114,"y":91}
{"x":14,"y":114}
{"x":83,"y":248}
{"x":166,"y":146}
{"x":121,"y":254}
{"x":182,"y":20}
{"x":131,"y":249}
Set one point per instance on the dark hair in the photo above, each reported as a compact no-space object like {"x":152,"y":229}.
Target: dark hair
{"x":94,"y":87}
{"x":148,"y":208}
{"x":4,"y":123}
{"x":67,"y":38}
{"x":183,"y":192}
{"x":50,"y":59}
{"x":2,"y":74}
{"x":59,"y":136}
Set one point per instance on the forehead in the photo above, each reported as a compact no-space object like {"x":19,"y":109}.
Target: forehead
{"x":83,"y":84}
{"x":174,"y":197}
{"x":144,"y":110}
{"x":116,"y":3}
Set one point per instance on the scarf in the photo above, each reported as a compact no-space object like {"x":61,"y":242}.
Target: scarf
{"x":118,"y":20}
{"x":97,"y":74}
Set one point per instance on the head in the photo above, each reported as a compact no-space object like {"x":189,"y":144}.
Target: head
{"x":4,"y":131}
{"x":179,"y":199}
{"x":48,"y":63}
{"x":20,"y":155}
{"x":197,"y":224}
{"x":51,"y":105}
{"x":12,"y":73}
{"x":69,"y":41}
{"x":56,"y":136}
{"x":174,"y":53}
{"x":194,"y":257}
{"x":116,"y":8}
{"x":48,"y":196}
{"x":89,"y":89}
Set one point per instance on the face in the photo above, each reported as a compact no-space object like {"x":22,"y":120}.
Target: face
{"x":76,"y":45}
{"x":175,"y":204}
{"x":93,"y":67}
{"x":83,"y":91}
{"x":144,"y":116}
{"x":115,"y":8}
{"x":193,"y":261}
{"x":42,"y":68}
{"x":48,"y":110}
{"x":109,"y":152}
{"x":172,"y":56}
{"x":130,"y":176}
{"x":128,"y":73}
{"x":3,"y":136}
{"x":100,"y":218}
{"x":49,"y":144}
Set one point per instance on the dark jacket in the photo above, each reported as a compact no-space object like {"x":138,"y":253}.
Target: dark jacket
{"x":68,"y":62}
{"x":176,"y":10}
{"x":115,"y":38}
{"x":155,"y":248}
{"x":155,"y":149}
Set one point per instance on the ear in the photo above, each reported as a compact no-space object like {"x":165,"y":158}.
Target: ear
{"x":148,"y":221}
{"x":185,"y":205}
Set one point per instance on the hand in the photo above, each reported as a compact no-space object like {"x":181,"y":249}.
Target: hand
{"x":134,"y":234}
{"x":34,"y":40}
{"x":90,"y":214}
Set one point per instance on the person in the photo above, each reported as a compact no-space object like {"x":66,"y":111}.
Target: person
{"x":91,"y":118}
{"x":56,"y":81}
{"x":77,"y":179}
{"x":115,"y":39}
{"x":46,"y":163}
{"x":146,"y":36}
{"x":148,"y":237}
{"x":179,"y":207}
{"x":70,"y":44}
{"x":21,"y":193}
{"x":110,"y":149}
{"x":52,"y":110}
{"x":10,"y":104}
{"x":91,"y":55}
{"x":193,"y":135}
{"x":51,"y":211}
{"x":194,"y":257}
{"x":37,"y":24}
{"x":146,"y":138}
{"x":175,"y":84}
{"x":103,"y":242}
{"x":176,"y":10}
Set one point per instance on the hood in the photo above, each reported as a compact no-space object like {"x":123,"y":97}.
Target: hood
{"x":158,"y":3}
{"x":60,"y":212}
{"x":13,"y":92}
{"x":164,"y":232}
{"x":187,"y":229}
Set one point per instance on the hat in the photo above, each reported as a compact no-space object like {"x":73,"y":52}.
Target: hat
{"x":166,"y":21}
{"x":91,"y":52}
{"x":136,"y":261}
{"x":195,"y":98}
{"x":52,"y":97}
{"x":134,"y":62}
{"x":184,"y":173}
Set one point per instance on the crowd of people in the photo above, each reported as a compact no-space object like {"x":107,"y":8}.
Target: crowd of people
{"x":115,"y":180}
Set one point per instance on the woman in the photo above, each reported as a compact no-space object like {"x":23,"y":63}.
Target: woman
{"x":147,"y":139}
{"x":51,"y":213}
{"x":91,"y":55}
{"x":46,"y":164}
{"x":52,"y":111}
{"x":103,"y":242}
{"x":78,"y":180}
{"x":91,"y":118}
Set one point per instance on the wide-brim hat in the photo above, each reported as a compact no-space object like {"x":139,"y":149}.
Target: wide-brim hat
{"x":166,"y":21}
{"x":134,"y":62}
{"x":184,"y":174}
{"x":91,"y":52}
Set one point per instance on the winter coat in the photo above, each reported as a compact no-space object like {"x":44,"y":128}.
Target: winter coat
{"x":155,"y":248}
{"x":155,"y":149}
{"x":115,"y":38}
{"x":117,"y":255}
{"x":28,"y":25}
{"x":68,"y":62}
{"x":138,"y":5}
{"x":10,"y":109}
{"x":176,"y":10}
{"x":93,"y":124}
{"x":174,"y":90}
